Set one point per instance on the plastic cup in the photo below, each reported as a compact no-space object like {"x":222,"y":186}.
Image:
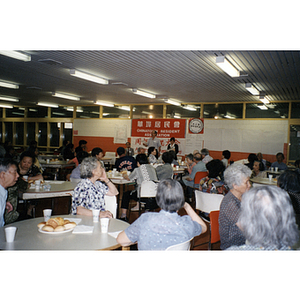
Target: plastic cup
{"x":172,"y":165}
{"x":177,"y":167}
{"x":276,"y":169}
{"x":270,"y":176}
{"x":25,"y":178}
{"x":10,"y":233}
{"x":272,"y":169}
{"x":104,"y":224}
{"x":47,"y":214}
{"x":48,"y":161}
{"x":96,"y":213}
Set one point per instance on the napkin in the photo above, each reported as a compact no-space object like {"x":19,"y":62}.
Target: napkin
{"x":83,"y":229}
{"x":114,"y":234}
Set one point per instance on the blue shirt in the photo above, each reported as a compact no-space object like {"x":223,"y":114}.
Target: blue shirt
{"x":126,"y":162}
{"x":199,"y":167}
{"x":76,"y":173}
{"x":281,"y":166}
{"x":3,"y":197}
{"x":158,"y":231}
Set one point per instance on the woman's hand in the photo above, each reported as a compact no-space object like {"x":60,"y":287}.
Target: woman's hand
{"x":106,"y":214}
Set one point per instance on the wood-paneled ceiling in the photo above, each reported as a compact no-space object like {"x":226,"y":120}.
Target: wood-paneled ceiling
{"x":187,"y":76}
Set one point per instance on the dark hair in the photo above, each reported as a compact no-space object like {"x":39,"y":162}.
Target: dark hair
{"x":33,"y":143}
{"x":252,"y":157}
{"x":81,"y":155}
{"x":226,"y":154}
{"x":142,"y":159}
{"x":27,"y":154}
{"x":198,"y":157}
{"x":96,"y":151}
{"x":215,"y":168}
{"x":167,"y":157}
{"x":82,"y":142}
{"x":261,"y":165}
{"x":6,"y":163}
{"x":190,"y":156}
{"x":297,"y":163}
{"x":170,"y":196}
{"x":280,"y":153}
{"x":150,"y":150}
{"x":120,"y":151}
{"x":172,"y":139}
{"x":289,"y":181}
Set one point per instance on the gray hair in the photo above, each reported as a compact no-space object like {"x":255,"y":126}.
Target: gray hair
{"x":267,"y":217}
{"x":88,"y":165}
{"x":204,"y":151}
{"x":235,"y":174}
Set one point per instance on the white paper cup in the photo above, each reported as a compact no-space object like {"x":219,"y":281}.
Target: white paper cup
{"x":47,"y":214}
{"x":25,"y":178}
{"x":104,"y":224}
{"x":276,"y":169}
{"x":96,"y":213}
{"x":272,"y":169}
{"x":270,"y":176}
{"x":172,"y":165}
{"x":48,"y":161}
{"x":10,"y":233}
{"x":177,"y":167}
{"x":37,"y":183}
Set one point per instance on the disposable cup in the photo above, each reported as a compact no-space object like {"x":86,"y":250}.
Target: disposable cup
{"x":96,"y":213}
{"x":172,"y":165}
{"x":272,"y":169}
{"x":270,"y":176}
{"x":48,"y":161}
{"x":177,"y":167}
{"x":10,"y":234}
{"x":276,"y":169}
{"x":104,"y":224}
{"x":47,"y":214}
{"x":25,"y":177}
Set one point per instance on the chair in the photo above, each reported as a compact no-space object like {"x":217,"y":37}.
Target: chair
{"x":147,"y":190}
{"x":214,"y":228}
{"x":207,"y":202}
{"x":182,"y":246}
{"x":111,"y":155}
{"x":111,"y":204}
{"x":199,"y":176}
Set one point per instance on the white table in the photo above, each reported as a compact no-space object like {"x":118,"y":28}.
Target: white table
{"x":263,"y":181}
{"x":57,"y":165}
{"x":29,"y":238}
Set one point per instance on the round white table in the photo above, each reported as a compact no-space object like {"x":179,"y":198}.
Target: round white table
{"x":263,"y":181}
{"x":29,"y":238}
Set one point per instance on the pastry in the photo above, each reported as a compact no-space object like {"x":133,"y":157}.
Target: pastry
{"x":40,"y":225}
{"x":48,"y":228}
{"x":70,"y":225}
{"x":59,"y":228}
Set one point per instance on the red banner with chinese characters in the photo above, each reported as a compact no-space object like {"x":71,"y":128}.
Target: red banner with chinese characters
{"x":166,"y":128}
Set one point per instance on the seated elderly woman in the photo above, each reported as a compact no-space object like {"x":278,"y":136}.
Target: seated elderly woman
{"x":152,"y":155}
{"x":290,"y":182}
{"x":267,"y":220}
{"x":89,"y":192}
{"x":158,"y":231}
{"x":258,"y":170}
{"x":165,"y":171}
{"x":236,"y":177}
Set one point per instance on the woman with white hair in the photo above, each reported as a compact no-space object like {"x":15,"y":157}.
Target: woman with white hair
{"x":89,"y":192}
{"x":236,"y":176}
{"x":267,"y":220}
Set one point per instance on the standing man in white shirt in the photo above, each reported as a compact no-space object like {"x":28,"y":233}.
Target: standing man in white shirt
{"x":154,"y":142}
{"x":8,"y":177}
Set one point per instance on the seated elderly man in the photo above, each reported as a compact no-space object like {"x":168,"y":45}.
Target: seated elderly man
{"x":189,"y":181}
{"x":279,"y":163}
{"x":267,"y":220}
{"x":205,"y":155}
{"x":165,"y":171}
{"x":89,"y":192}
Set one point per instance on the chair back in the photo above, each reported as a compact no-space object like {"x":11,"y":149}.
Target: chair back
{"x":111,"y":204}
{"x":182,"y":246}
{"x":148,"y":189}
{"x":199,"y":176}
{"x":75,"y":179}
{"x":207,"y":202}
{"x":214,"y":226}
{"x":111,"y":155}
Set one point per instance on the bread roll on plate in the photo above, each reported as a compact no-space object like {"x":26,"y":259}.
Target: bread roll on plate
{"x":59,"y":228}
{"x":41,"y":225}
{"x":48,"y":228}
{"x":59,"y":221}
{"x":52,"y":223}
{"x":70,"y":225}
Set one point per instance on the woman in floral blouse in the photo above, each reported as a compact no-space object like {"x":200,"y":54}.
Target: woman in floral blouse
{"x":89,"y":192}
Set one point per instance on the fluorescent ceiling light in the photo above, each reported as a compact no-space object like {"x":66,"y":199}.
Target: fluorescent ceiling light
{"x":104,"y":103}
{"x":65,"y":96}
{"x":145,"y":94}
{"x":262,"y":107}
{"x":177,"y":116}
{"x":6,"y":105}
{"x":16,"y":55}
{"x":105,"y":114}
{"x":9,"y":85}
{"x":252,"y":89}
{"x":226,"y":66}
{"x":229,"y":116}
{"x":170,"y":101}
{"x":11,"y":99}
{"x":264,"y":99}
{"x":88,"y":77}
{"x":146,"y":112}
{"x":189,"y":107}
{"x":47,"y":104}
{"x":123,"y":107}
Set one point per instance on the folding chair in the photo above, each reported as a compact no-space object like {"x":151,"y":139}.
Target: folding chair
{"x":147,"y":190}
{"x":182,"y":246}
{"x":214,"y":228}
{"x":111,"y":204}
{"x":199,"y":176}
